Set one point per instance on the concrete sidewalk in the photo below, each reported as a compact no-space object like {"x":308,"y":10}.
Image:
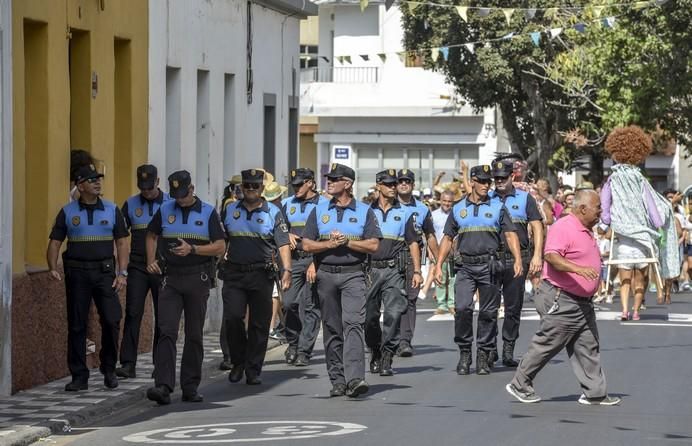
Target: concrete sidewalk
{"x":30,"y":415}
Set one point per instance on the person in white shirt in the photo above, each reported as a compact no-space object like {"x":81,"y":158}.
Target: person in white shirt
{"x":445,"y":293}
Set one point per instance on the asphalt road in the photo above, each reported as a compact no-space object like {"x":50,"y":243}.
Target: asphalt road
{"x":647,"y":363}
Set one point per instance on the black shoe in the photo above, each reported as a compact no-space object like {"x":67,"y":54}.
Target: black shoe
{"x":236,"y":373}
{"x":75,"y":386}
{"x":356,"y":387}
{"x":464,"y":365}
{"x":492,"y":358}
{"x":508,"y":355}
{"x":225,"y":364}
{"x":375,"y":360}
{"x":193,"y":397}
{"x":337,"y":390}
{"x":386,"y":367}
{"x":126,"y":371}
{"x":291,"y":354}
{"x":482,"y":367}
{"x":110,"y":380}
{"x":160,"y":394}
{"x":302,"y":360}
{"x":405,"y":350}
{"x":253,"y":381}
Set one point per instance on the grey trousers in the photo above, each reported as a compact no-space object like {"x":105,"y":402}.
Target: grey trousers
{"x":573,"y":327}
{"x":342,"y":300}
{"x":388,"y":290}
{"x":301,"y":309}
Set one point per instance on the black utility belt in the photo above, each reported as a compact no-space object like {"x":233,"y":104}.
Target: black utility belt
{"x":298,"y":254}
{"x":105,"y":265}
{"x":175,"y":270}
{"x":476,"y":260}
{"x":391,"y":263}
{"x":336,"y":269}
{"x":246,"y":268}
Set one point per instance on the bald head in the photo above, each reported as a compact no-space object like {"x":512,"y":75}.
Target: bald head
{"x":587,"y":207}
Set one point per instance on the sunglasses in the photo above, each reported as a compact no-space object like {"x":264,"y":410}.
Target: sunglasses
{"x":92,"y":180}
{"x":301,"y":184}
{"x":405,"y":181}
{"x":501,"y":179}
{"x":335,"y":180}
{"x":482,"y":181}
{"x":254,"y":186}
{"x":388,"y":184}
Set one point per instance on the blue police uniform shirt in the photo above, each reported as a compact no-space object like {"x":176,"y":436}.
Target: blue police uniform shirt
{"x":356,"y":221}
{"x":254,"y":236}
{"x":421,"y":212}
{"x":522,"y":208}
{"x":478,"y":226}
{"x":138,"y":212}
{"x":398,"y":230}
{"x":297,"y":211}
{"x":90,"y":229}
{"x":197,"y":224}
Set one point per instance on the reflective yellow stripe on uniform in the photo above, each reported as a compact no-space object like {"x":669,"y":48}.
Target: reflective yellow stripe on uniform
{"x":187,"y":236}
{"x":249,"y":234}
{"x":92,"y":238}
{"x":477,"y":229}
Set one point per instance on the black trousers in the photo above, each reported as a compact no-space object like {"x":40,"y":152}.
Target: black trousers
{"x":81,"y":286}
{"x":388,"y":291}
{"x":251,"y":290}
{"x":139,"y":284}
{"x":188,"y":293}
{"x":513,"y":292}
{"x":470,"y":278}
{"x":301,"y":309}
{"x":408,"y":319}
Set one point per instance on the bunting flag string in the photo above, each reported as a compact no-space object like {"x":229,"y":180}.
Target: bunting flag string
{"x":529,"y":13}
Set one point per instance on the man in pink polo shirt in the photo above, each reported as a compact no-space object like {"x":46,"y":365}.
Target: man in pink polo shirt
{"x":563,"y":299}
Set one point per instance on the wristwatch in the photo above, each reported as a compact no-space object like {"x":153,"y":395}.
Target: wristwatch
{"x":193,"y":249}
{"x":123,"y":273}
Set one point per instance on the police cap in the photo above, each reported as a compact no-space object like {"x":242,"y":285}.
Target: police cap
{"x":386,"y":176}
{"x":179,"y":184}
{"x":502,"y":168}
{"x":146,"y":176}
{"x":87,"y":172}
{"x":301,"y":175}
{"x":252,"y":176}
{"x":406,"y":174}
{"x":481,"y":172}
{"x":340,"y":171}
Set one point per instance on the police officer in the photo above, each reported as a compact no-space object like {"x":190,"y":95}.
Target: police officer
{"x":478,"y":221}
{"x":301,"y":309}
{"x":426,"y":230}
{"x":388,"y":274}
{"x":256,"y":230}
{"x":341,"y":233}
{"x":91,"y":225}
{"x":523,"y":209}
{"x":138,"y":211}
{"x":192,"y":236}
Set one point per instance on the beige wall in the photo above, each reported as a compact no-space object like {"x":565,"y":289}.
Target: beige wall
{"x":309,"y":31}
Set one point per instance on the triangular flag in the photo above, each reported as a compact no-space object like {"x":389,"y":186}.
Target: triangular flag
{"x":463,"y":10}
{"x":469,"y":46}
{"x":508,"y":14}
{"x":580,"y":27}
{"x":347,"y":59}
{"x":388,"y":4}
{"x":483,"y":12}
{"x":340,"y":59}
{"x":555,"y":32}
{"x":530,"y":13}
{"x":363,"y":5}
{"x":597,"y":10}
{"x":412,"y":6}
{"x":445,"y":52}
{"x":434,"y":54}
{"x":402,"y":56}
{"x":383,"y":57}
{"x":536,"y":38}
{"x":365,"y":57}
{"x":640,"y":5}
{"x":326,"y":59}
{"x":550,"y":13}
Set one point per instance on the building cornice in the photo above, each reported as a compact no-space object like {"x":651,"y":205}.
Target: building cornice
{"x":299,"y":8}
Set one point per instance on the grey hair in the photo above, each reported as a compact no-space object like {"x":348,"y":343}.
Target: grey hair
{"x":581,"y":197}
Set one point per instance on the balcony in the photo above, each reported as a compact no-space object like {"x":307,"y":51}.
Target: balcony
{"x":340,"y":75}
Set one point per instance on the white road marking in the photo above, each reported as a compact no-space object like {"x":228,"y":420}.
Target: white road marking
{"x":528,"y":315}
{"x":655,"y":324}
{"x":680,"y":317}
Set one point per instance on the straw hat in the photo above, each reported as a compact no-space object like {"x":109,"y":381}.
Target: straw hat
{"x":273,"y":190}
{"x":236,"y":179}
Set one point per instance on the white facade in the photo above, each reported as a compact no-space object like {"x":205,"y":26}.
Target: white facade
{"x":386,"y":114}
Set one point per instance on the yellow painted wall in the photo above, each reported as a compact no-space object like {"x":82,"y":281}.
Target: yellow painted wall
{"x":309,"y":31}
{"x":47,"y":108}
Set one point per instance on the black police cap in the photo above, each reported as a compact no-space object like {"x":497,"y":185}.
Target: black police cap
{"x":502,"y":168}
{"x":252,"y":176}
{"x":301,"y":174}
{"x":87,"y":172}
{"x":340,"y":171}
{"x":481,"y":172}
{"x":406,"y":174}
{"x":386,"y":176}
{"x":146,"y":176}
{"x":179,"y":184}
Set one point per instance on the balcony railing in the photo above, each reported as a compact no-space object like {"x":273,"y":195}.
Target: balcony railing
{"x":340,"y":75}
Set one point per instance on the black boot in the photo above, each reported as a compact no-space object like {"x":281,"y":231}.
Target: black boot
{"x":126,"y":371}
{"x":492,"y":358}
{"x":386,"y":368}
{"x":375,"y":360}
{"x":508,"y":355}
{"x":464,"y":365}
{"x":291,"y":354}
{"x":482,"y":367}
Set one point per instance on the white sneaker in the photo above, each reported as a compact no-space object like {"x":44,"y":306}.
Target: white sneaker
{"x":609,"y":299}
{"x":422,"y":295}
{"x":686,"y":286}
{"x":524,"y":397}
{"x":599,"y":298}
{"x":501,"y":312}
{"x":602,"y":401}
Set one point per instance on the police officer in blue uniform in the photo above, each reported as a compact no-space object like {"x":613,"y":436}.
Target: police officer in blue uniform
{"x":256,"y":230}
{"x":479,"y":222}
{"x":523,"y":209}
{"x":341,"y":234}
{"x":138,"y":211}
{"x":192,"y":236}
{"x":91,"y":226}
{"x":426,"y":231}
{"x":388,"y":273}
{"x":301,"y":308}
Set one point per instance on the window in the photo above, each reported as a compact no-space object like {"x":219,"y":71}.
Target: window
{"x":202,"y":171}
{"x":172,"y":119}
{"x":269,"y":149}
{"x":308,"y":56}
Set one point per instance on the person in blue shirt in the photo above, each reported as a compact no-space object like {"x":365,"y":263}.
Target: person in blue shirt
{"x":478,"y":222}
{"x":300,"y":301}
{"x":388,"y":274}
{"x":138,"y":211}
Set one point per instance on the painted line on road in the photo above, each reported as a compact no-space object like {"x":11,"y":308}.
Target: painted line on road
{"x":679,"y":317}
{"x":532,"y":316}
{"x":655,"y":324}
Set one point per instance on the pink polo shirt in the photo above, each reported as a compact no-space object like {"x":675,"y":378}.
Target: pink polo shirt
{"x":571,"y":240}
